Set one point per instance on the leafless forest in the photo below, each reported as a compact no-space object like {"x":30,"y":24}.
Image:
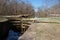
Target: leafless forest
{"x":15,"y":7}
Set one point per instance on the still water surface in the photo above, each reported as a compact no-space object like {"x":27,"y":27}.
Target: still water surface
{"x":13,"y":35}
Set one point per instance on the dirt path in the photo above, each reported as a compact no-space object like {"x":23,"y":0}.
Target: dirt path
{"x":42,"y":31}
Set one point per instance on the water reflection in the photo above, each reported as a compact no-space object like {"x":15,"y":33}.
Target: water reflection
{"x":13,"y":35}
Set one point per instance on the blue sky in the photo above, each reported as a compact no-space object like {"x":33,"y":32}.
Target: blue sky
{"x":43,"y":3}
{"x":36,"y":3}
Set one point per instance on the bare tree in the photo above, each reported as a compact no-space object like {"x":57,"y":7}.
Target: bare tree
{"x":13,"y":7}
{"x":54,"y":11}
{"x":41,"y":13}
{"x":25,"y":8}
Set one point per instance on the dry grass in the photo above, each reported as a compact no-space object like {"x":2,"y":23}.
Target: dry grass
{"x":47,"y":31}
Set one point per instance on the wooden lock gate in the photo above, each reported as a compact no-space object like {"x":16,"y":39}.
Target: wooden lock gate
{"x":18,"y":25}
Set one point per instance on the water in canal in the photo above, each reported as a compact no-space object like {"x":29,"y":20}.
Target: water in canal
{"x":13,"y":35}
